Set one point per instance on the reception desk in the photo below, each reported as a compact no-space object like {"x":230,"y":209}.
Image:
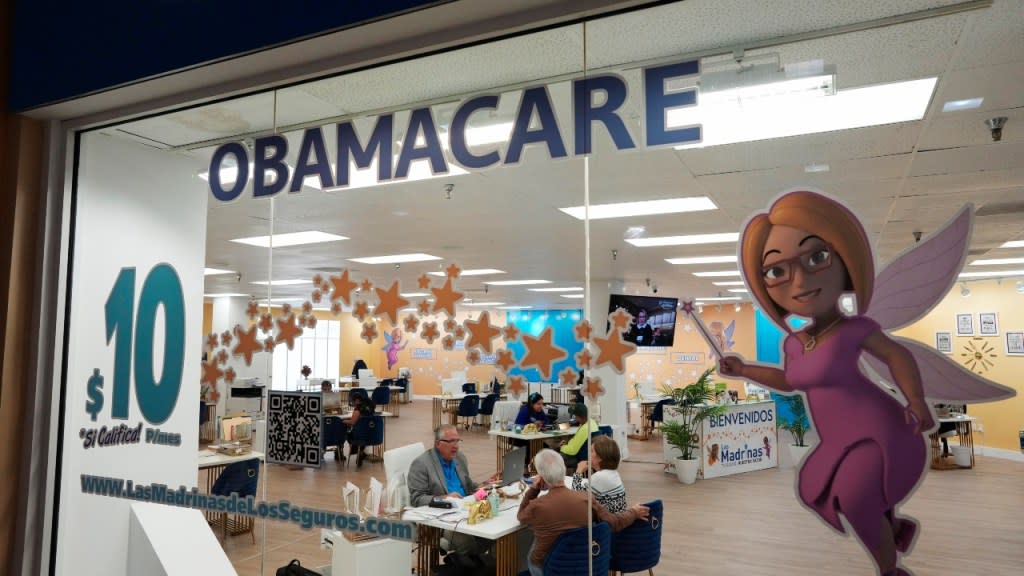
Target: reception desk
{"x":743,"y":439}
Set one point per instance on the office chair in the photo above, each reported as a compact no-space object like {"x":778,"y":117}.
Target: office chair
{"x":381,"y":396}
{"x":469,"y":388}
{"x":487,"y":408}
{"x":239,"y":478}
{"x":638,"y":547}
{"x":658,"y":414}
{"x":469,"y":407}
{"x":333,"y":437}
{"x":368,"y":432}
{"x":570,"y":553}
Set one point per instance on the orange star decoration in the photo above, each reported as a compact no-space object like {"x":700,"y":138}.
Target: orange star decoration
{"x":318,"y":280}
{"x":430,"y":332}
{"x":252,"y":310}
{"x":593,"y":387}
{"x":567,"y":377}
{"x":361,"y":310}
{"x":343,"y":287}
{"x":460,"y":333}
{"x":424,"y":281}
{"x":366,"y":285}
{"x":540,"y":352}
{"x":286,"y":309}
{"x":317,"y":296}
{"x":211,"y":341}
{"x":583,"y":330}
{"x":423,"y":308}
{"x":336,"y":308}
{"x":510,"y":333}
{"x":268,"y":344}
{"x":211,"y":373}
{"x":613,"y":351}
{"x":445,"y":298}
{"x":225,"y":338}
{"x":473,"y":357}
{"x":449,"y":325}
{"x":621,"y":320}
{"x":411,"y":323}
{"x":481,"y":332}
{"x":229,"y":375}
{"x":214,"y":395}
{"x":583,"y":359}
{"x":448,"y":343}
{"x":307,"y":307}
{"x":288,"y":331}
{"x":266,"y":322}
{"x":390,"y":302}
{"x":505,"y":359}
{"x":369,"y":332}
{"x":516,"y":386}
{"x":246,"y":344}
{"x":222,"y":356}
{"x":311,"y":322}
{"x":453,"y":271}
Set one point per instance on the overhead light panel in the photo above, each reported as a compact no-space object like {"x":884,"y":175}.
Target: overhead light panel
{"x":738,"y":290}
{"x":484,"y":304}
{"x":720,"y":299}
{"x":290,"y":239}
{"x":226,"y":295}
{"x":573,"y":296}
{"x":215,"y":271}
{"x":567,"y":289}
{"x":295,"y":282}
{"x":687,"y":240}
{"x":474,"y":272}
{"x":395,"y":259}
{"x":744,"y":84}
{"x":413,"y":294}
{"x":514,"y":307}
{"x":1013,"y":244}
{"x":642,"y":208}
{"x":993,"y":274}
{"x":702,"y":260}
{"x":812,"y":168}
{"x":729,"y":283}
{"x":717,"y":274}
{"x":966,"y":104}
{"x":997,"y":262}
{"x":517,"y":282}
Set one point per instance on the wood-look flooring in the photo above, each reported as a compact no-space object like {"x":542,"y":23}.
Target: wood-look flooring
{"x":748,"y":524}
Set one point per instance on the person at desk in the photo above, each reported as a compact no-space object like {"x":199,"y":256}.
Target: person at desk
{"x":533,"y":412}
{"x":362,"y":407}
{"x":332,"y":399}
{"x":561,"y":509}
{"x":359,"y":365}
{"x":570,"y":449}
{"x":641,"y":333}
{"x":604,"y":480}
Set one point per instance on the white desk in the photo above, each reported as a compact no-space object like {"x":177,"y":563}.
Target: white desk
{"x":505,"y":443}
{"x":646,"y":404}
{"x":965,"y":435}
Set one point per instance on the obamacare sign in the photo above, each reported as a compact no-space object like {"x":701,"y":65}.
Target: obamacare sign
{"x":535,"y":123}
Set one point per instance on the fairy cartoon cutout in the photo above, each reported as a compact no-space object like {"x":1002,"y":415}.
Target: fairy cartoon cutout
{"x":393,"y":346}
{"x":800,"y":259}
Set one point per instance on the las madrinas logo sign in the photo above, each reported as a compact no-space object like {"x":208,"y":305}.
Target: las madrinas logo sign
{"x":535,"y":122}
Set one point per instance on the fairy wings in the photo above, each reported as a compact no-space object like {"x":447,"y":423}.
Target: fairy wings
{"x":907,"y":289}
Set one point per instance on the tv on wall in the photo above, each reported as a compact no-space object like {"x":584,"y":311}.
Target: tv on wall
{"x":654,"y":318}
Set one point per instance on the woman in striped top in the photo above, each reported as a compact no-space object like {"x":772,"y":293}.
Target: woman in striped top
{"x":604,"y":481}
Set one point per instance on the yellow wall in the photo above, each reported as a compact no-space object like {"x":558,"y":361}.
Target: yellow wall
{"x":1000,"y":421}
{"x":207,"y":319}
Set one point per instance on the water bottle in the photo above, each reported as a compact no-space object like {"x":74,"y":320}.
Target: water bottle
{"x":494,"y":501}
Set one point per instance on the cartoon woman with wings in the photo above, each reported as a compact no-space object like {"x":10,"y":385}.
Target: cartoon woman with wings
{"x":393,"y":346}
{"x":800,"y":259}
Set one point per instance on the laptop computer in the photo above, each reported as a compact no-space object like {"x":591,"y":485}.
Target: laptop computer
{"x":512,"y":470}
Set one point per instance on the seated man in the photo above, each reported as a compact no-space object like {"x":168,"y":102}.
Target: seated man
{"x":570,"y":449}
{"x":561,"y":509}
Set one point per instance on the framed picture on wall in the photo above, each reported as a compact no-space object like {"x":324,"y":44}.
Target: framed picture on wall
{"x":944,"y":342}
{"x":1015,"y":343}
{"x":965,"y":324}
{"x":988,"y":324}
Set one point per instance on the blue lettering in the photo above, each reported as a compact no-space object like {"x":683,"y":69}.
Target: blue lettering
{"x":312,"y":144}
{"x":585,"y":113}
{"x":657,"y":101}
{"x":241,"y":160}
{"x":457,"y":135}
{"x":278,"y":146}
{"x":421,"y":120}
{"x":379,"y":144}
{"x":535,"y":100}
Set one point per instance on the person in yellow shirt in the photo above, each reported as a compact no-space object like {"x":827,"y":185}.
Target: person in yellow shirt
{"x":571,"y":450}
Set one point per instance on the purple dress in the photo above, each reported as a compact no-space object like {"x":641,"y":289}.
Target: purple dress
{"x":847,"y":409}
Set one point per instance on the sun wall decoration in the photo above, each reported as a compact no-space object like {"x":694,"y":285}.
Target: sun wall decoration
{"x":540,"y":352}
{"x":978,"y":355}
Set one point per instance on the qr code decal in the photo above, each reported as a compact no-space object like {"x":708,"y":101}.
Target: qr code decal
{"x":293,"y":429}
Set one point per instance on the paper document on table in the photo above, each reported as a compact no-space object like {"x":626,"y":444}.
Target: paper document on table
{"x":350,"y":494}
{"x":373,"y":497}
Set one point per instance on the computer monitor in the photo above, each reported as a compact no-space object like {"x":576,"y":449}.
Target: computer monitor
{"x":365,"y":373}
{"x":513,"y":466}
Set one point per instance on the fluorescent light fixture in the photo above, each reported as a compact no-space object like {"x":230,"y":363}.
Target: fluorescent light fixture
{"x":993,"y":274}
{"x":408,"y":310}
{"x":226,"y":295}
{"x":702,"y":260}
{"x":687,"y":240}
{"x":811,"y":168}
{"x":413,"y":294}
{"x":395,"y":258}
{"x":283,"y":299}
{"x":729,"y":283}
{"x":718,"y":274}
{"x":290,"y":239}
{"x":485,"y":304}
{"x":1013,"y":244}
{"x":367,"y":177}
{"x":491,"y":134}
{"x":966,"y":104}
{"x":720,"y":299}
{"x":642,"y":208}
{"x":573,"y":296}
{"x":474,"y":272}
{"x":738,"y":290}
{"x":634,"y":232}
{"x":998,"y":262}
{"x":214,"y":271}
{"x":295,"y":282}
{"x":514,"y":307}
{"x":728,"y":121}
{"x":804,"y":79}
{"x":567,"y":289}
{"x":517,"y":282}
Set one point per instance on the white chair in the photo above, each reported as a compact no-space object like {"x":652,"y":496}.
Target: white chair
{"x":396,"y":468}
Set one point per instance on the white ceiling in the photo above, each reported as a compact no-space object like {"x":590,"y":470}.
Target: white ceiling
{"x":899,"y":178}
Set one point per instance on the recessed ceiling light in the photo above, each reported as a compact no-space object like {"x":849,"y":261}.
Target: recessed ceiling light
{"x":413,"y":294}
{"x":702,"y":260}
{"x":719,"y":299}
{"x":738,"y":290}
{"x":291,"y":239}
{"x":474,"y":272}
{"x":642,"y":208}
{"x":517,"y":282}
{"x":394,"y":259}
{"x":729,"y":283}
{"x":408,"y":310}
{"x":997,"y":261}
{"x":1013,"y":244}
{"x":567,"y":289}
{"x":811,"y":168}
{"x":634,"y":232}
{"x":282,"y":282}
{"x":993,"y":274}
{"x":225,"y":295}
{"x":574,"y":296}
{"x":213,"y":271}
{"x":485,"y":304}
{"x":514,"y":307}
{"x":717,"y":274}
{"x":966,"y":104}
{"x":685,"y":240}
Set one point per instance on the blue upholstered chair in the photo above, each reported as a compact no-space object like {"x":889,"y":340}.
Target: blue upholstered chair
{"x":404,"y":384}
{"x":469,"y":388}
{"x":638,"y":547}
{"x":469,"y":407}
{"x":572,"y":550}
{"x":354,"y":392}
{"x":658,"y":414}
{"x":381,"y":396}
{"x":333,"y":436}
{"x":487,"y":407}
{"x":240,"y":478}
{"x":368,"y":432}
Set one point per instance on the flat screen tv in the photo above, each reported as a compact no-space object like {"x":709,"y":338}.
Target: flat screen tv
{"x":654,"y":318}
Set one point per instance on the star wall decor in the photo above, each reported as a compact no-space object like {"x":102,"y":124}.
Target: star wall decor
{"x":567,"y":377}
{"x":481,"y":332}
{"x":506,"y":360}
{"x":613,"y":350}
{"x":211,"y":341}
{"x":516,"y":386}
{"x":621,"y":320}
{"x":423,"y":308}
{"x":541,"y":353}
{"x":593,"y":387}
{"x":336,"y":308}
{"x":449,"y":325}
{"x":247,"y":344}
{"x":460,"y":333}
{"x":318,"y":280}
{"x":343,"y":287}
{"x":266,"y":322}
{"x":286,"y":309}
{"x":473,"y":357}
{"x":583,"y":331}
{"x":366,"y":286}
{"x":311,"y":322}
{"x":252,"y":310}
{"x":411,"y":323}
{"x":584,"y":358}
{"x":269,"y":344}
{"x":423,"y":281}
{"x":229,"y":375}
{"x":225,"y":338}
{"x":510,"y":333}
{"x":369,"y":332}
{"x":448,"y":343}
{"x":390,"y":302}
{"x":317,"y":296}
{"x":453,"y":271}
{"x":307,"y":307}
{"x":430,"y":332}
{"x":445,"y":298}
{"x":211,"y":373}
{"x":361,"y":310}
{"x":287,"y":331}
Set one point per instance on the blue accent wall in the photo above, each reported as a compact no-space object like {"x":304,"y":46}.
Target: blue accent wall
{"x":533,"y":322}
{"x":769,"y":351}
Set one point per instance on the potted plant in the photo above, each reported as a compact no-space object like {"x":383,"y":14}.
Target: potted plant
{"x":797,"y":424}
{"x":694,"y":404}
